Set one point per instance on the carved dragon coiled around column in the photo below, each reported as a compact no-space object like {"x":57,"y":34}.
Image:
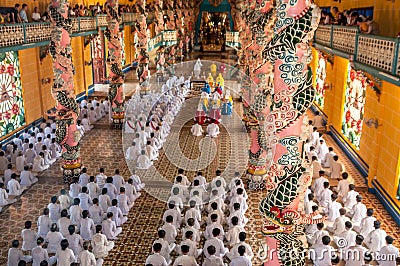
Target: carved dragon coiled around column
{"x":142,"y":46}
{"x":67,"y":109}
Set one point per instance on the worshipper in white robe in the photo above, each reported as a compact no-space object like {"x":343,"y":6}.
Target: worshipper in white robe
{"x":351,"y":198}
{"x":75,"y":212}
{"x":318,"y":185}
{"x":156,"y":258}
{"x":318,"y":121}
{"x":234,"y":252}
{"x":3,"y":162}
{"x":185,"y":258}
{"x":83,"y":177}
{"x":92,"y":116}
{"x":13,"y":186}
{"x":314,"y":137}
{"x":86,"y":226}
{"x":170,"y":230}
{"x":144,"y":161}
{"x":343,"y":186}
{"x":118,"y":217}
{"x":65,"y":256}
{"x":93,"y":188}
{"x":310,"y":229}
{"x":30,"y":154}
{"x":133,"y":152}
{"x":63,"y":223}
{"x":190,"y":227}
{"x":55,"y":149}
{"x":47,"y":156}
{"x":44,"y":223}
{"x":236,"y":212}
{"x":217,"y":243}
{"x":194,"y":213}
{"x":53,"y":239}
{"x":339,"y":224}
{"x":54,"y":209}
{"x":316,"y":237}
{"x":355,"y":255}
{"x":96,"y":212}
{"x":87,"y":125}
{"x":328,"y":158}
{"x":38,"y":163}
{"x":27,"y":179}
{"x":337,"y":168}
{"x":101,"y":178}
{"x":20,"y":162}
{"x":166,"y":248}
{"x":104,"y":200}
{"x":212,"y":130}
{"x":74,"y":188}
{"x":308,"y":205}
{"x":106,"y":105}
{"x":29,"y":237}
{"x":197,"y":130}
{"x":80,"y":128}
{"x":367,"y":224}
{"x":193,"y":250}
{"x":15,"y":255}
{"x":347,"y":238}
{"x":375,"y":240}
{"x":332,"y":210}
{"x":151,"y":152}
{"x":388,"y":254}
{"x":75,"y":240}
{"x":4,"y":200}
{"x":215,"y":223}
{"x":130,"y":191}
{"x":118,"y":180}
{"x":232,"y":236}
{"x":323,"y":254}
{"x":101,"y":246}
{"x":322,"y":150}
{"x":358,"y":212}
{"x":40,"y":254}
{"x":111,"y":189}
{"x":325,"y":197}
{"x":212,"y":259}
{"x":85,"y":257}
{"x":110,"y":229}
{"x":124,"y":203}
{"x":7,"y":174}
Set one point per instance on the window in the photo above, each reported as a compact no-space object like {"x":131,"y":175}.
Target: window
{"x":365,"y":11}
{"x":11,"y":102}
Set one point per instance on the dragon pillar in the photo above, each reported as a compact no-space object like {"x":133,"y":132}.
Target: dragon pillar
{"x":114,"y":62}
{"x":142,"y":46}
{"x":67,"y":109}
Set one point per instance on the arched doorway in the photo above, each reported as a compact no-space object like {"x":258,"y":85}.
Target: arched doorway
{"x":214,"y":20}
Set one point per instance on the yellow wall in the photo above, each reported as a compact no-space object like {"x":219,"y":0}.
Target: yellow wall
{"x":128,"y":44}
{"x":78,"y":61}
{"x":46,"y":71}
{"x":379,"y":147}
{"x":386,"y":13}
{"x":88,"y":71}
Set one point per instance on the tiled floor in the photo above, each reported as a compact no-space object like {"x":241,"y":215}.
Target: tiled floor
{"x":103,"y":147}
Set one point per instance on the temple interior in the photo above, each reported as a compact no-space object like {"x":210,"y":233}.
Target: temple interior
{"x":204,"y":132}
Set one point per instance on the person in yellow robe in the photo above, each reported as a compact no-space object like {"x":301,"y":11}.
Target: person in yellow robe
{"x":210,"y":80}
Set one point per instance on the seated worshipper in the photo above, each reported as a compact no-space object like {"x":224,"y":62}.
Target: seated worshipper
{"x":39,"y":254}
{"x":93,"y":188}
{"x":376,"y":238}
{"x":101,"y":178}
{"x":124,"y":203}
{"x":118,"y":180}
{"x":133,"y":152}
{"x":348,"y":237}
{"x":166,"y":248}
{"x":323,"y":253}
{"x":194,"y":213}
{"x":130,"y":191}
{"x":80,"y":128}
{"x":215,"y":223}
{"x":325,"y":196}
{"x":234,"y":252}
{"x":110,"y":229}
{"x":44,"y":223}
{"x":54,"y":209}
{"x":242,"y":260}
{"x":212,"y":259}
{"x":351,"y":198}
{"x":358,"y":212}
{"x":197,"y":130}
{"x":111,"y":189}
{"x":215,"y":114}
{"x":75,"y":212}
{"x":367,"y":224}
{"x":322,"y":150}
{"x":202,"y":180}
{"x":170,"y":230}
{"x":316,"y":237}
{"x":55,"y":149}
{"x":96,"y":212}
{"x":13,"y":186}
{"x":388,"y":254}
{"x":87,"y":126}
{"x":213,"y":130}
{"x":4,"y":200}
{"x":339,"y":224}
{"x":311,"y":229}
{"x":47,"y":156}
{"x":236,"y":212}
{"x":86,"y":257}
{"x":118,"y":217}
{"x":64,"y":199}
{"x":318,"y":121}
{"x":83,"y":177}
{"x":143,"y":161}
{"x":53,"y":239}
{"x":101,"y":246}
{"x":7,"y":174}
{"x":39,"y":164}
{"x":176,"y":215}
{"x":337,"y":167}
{"x":63,"y":223}
{"x":15,"y":255}
{"x":151,"y":152}
{"x":27,"y":178}
{"x":316,"y":166}
{"x":332,"y":210}
{"x":192,"y":250}
{"x":29,"y":237}
{"x":217,"y":243}
{"x":74,"y":188}
{"x":65,"y":256}
{"x":184,"y":258}
{"x":75,"y":240}
{"x":343,"y":186}
{"x":104,"y":200}
{"x":156,"y":258}
{"x":20,"y":162}
{"x":30,"y":154}
{"x":328,"y":158}
{"x":92,"y":116}
{"x":318,"y":185}
{"x":233,"y":234}
{"x":85,"y":200}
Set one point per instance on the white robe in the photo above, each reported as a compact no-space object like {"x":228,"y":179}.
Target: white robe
{"x":101,"y":246}
{"x":376,"y":240}
{"x":213,"y":130}
{"x":337,"y":169}
{"x":197,"y":130}
{"x":144,"y":162}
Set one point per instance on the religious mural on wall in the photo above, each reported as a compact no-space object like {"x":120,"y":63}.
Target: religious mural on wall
{"x":353,"y":113}
{"x":11,"y":103}
{"x":320,"y":76}
{"x":122,"y":40}
{"x":99,"y":71}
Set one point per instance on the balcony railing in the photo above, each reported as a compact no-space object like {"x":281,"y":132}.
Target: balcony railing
{"x":165,"y":38}
{"x":29,"y":33}
{"x":378,"y":52}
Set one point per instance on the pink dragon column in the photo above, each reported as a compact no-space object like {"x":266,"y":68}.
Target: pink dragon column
{"x":114,"y":62}
{"x":159,"y":16}
{"x":67,"y":109}
{"x":292,"y":94}
{"x":142,"y":46}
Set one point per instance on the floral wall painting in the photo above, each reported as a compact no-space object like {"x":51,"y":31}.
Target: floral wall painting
{"x":320,"y":80}
{"x":11,"y":102}
{"x":353,"y":113}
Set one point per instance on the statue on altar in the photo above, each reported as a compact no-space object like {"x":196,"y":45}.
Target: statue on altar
{"x":220,"y":81}
{"x":213,"y":69}
{"x":227,"y":105}
{"x":210,"y":80}
{"x":197,"y":68}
